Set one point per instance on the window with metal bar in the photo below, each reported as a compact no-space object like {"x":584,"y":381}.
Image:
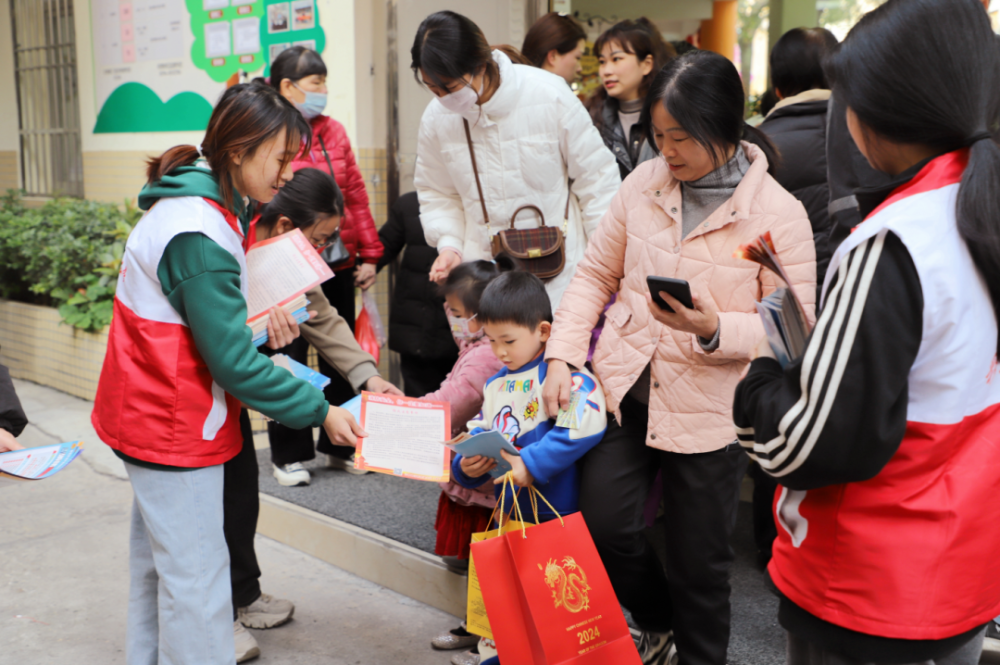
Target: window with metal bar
{"x":48,"y":97}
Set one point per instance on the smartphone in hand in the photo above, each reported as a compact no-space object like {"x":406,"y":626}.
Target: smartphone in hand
{"x":678,"y":288}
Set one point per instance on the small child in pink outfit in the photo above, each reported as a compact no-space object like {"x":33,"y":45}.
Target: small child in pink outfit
{"x":461,"y":511}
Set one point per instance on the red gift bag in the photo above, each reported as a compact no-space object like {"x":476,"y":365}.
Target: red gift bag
{"x":549,"y":599}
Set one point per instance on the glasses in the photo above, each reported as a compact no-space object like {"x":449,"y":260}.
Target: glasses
{"x":329,"y":241}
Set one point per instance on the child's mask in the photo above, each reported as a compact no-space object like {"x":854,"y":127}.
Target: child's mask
{"x":460,"y":329}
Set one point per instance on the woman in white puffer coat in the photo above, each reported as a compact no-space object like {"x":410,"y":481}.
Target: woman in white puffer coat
{"x":531,"y":137}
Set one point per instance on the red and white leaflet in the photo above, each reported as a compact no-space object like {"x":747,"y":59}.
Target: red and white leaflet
{"x":406,"y":437}
{"x":281,"y":269}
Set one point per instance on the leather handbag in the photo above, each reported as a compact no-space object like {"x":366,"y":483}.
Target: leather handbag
{"x":540,"y":251}
{"x":336,"y":252}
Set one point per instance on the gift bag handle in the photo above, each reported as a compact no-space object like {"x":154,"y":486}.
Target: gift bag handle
{"x":532,"y":492}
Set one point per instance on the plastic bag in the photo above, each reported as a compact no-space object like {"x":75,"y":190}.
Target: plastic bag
{"x":368,"y":328}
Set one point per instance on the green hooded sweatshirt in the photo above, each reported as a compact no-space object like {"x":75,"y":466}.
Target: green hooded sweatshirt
{"x":202,"y":282}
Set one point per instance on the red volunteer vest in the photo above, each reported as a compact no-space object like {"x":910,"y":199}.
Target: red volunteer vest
{"x":912,"y":553}
{"x":156,"y":400}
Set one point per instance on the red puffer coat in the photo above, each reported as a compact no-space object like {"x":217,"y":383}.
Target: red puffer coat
{"x":358,"y":228}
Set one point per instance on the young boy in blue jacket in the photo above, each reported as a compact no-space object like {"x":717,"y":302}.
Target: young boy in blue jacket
{"x":517,"y":318}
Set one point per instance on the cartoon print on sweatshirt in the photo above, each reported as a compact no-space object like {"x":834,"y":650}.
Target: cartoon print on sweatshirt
{"x":512,"y":405}
{"x":506,"y":423}
{"x":585,"y":386}
{"x":531,"y":410}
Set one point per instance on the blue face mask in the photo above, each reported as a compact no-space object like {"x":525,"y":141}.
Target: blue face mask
{"x":314,"y":104}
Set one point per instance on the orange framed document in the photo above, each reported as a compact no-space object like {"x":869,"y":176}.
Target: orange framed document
{"x":406,"y":437}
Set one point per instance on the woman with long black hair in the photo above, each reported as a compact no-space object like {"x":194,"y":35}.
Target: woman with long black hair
{"x":630,"y":54}
{"x":883,"y":434}
{"x":668,"y":375}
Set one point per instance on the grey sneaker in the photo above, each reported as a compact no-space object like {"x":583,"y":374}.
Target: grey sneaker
{"x":992,"y":642}
{"x":456,"y":638}
{"x":657,"y":648}
{"x":291,"y":475}
{"x":246,"y":645}
{"x":347,"y":465}
{"x":265,"y":612}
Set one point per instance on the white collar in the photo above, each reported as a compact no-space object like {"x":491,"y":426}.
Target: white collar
{"x":504,"y":100}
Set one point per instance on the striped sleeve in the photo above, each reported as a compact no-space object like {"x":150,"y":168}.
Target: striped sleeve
{"x":838,"y":414}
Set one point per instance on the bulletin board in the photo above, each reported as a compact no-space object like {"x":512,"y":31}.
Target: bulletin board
{"x":161,"y":64}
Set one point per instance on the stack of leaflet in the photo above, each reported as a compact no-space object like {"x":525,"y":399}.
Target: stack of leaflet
{"x":301,"y":371}
{"x":297,"y":308}
{"x":784,"y":318}
{"x":279,"y":273}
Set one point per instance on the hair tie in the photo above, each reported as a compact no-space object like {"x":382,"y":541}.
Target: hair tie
{"x":979,"y":136}
{"x":198,"y":148}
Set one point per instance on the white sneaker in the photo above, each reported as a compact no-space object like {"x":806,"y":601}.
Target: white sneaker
{"x":291,"y":475}
{"x":246,"y":645}
{"x":266,"y":612}
{"x":333,"y":462}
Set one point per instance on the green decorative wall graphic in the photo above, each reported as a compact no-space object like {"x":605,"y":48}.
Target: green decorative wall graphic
{"x":160,"y":64}
{"x":280,"y":23}
{"x":133,"y":107}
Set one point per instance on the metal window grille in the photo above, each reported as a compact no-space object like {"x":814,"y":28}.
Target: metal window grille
{"x":48,"y":97}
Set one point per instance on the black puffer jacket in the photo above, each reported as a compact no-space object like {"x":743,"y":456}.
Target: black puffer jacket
{"x":799,"y":132}
{"x":418,"y":325}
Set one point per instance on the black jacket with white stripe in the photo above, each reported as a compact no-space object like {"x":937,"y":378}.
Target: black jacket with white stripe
{"x":841,"y":424}
{"x":867,"y":416}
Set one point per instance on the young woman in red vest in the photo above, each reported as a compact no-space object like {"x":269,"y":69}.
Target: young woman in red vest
{"x":299,"y":74}
{"x":180,"y":361}
{"x":883,"y":436}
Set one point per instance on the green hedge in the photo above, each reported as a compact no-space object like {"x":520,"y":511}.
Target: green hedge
{"x":65,"y":254}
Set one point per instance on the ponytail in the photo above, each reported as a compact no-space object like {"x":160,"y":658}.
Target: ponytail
{"x":246,"y":116}
{"x":979,"y":214}
{"x":942,"y":95}
{"x":174,"y":158}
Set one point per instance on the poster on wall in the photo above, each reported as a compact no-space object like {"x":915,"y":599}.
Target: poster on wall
{"x":159,"y":65}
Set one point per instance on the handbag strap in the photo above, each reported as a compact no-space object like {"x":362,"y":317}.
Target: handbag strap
{"x":479,"y":187}
{"x":475,"y":171}
{"x":322,"y":147}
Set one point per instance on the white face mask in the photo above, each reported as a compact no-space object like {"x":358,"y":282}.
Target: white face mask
{"x":462,"y":100}
{"x":460,"y":329}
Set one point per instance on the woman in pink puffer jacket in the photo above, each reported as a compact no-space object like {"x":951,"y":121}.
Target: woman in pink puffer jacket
{"x":670,"y":377}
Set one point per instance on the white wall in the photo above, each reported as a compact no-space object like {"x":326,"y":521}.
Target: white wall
{"x":337,"y":19}
{"x":370,"y":70}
